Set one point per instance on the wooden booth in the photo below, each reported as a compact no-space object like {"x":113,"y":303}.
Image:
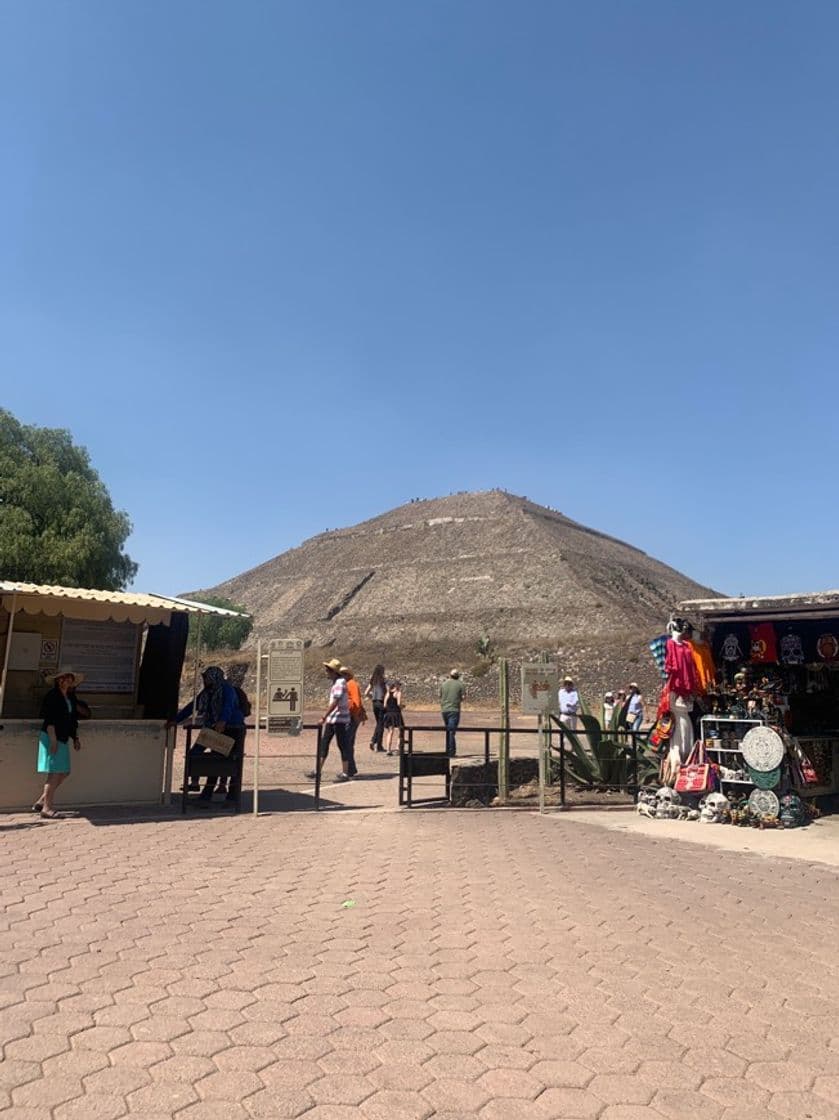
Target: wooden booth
{"x":131,"y":650}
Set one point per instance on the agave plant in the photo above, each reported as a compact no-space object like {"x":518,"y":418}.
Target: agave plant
{"x":595,"y":759}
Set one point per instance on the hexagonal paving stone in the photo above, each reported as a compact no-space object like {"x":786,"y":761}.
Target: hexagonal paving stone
{"x":280,"y":1103}
{"x":91,"y":1107}
{"x":391,"y":1104}
{"x":449,"y":1095}
{"x":341,"y":1089}
{"x":510,"y":1083}
{"x":795,"y":1105}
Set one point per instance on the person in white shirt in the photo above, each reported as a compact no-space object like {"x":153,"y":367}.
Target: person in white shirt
{"x":608,"y":709}
{"x":569,"y":704}
{"x":635,"y":709}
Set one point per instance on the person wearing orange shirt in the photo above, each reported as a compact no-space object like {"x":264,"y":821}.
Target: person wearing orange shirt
{"x":357,"y":715}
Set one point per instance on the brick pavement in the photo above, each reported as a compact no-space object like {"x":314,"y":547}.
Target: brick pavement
{"x":493,"y":965}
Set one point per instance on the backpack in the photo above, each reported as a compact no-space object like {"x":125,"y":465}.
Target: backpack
{"x":242,"y":700}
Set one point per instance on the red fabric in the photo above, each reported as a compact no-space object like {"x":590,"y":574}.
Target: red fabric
{"x":762,"y":639}
{"x":681,"y":669}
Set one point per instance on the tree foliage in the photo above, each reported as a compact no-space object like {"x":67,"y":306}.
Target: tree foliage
{"x":57,"y":522}
{"x":217,"y":631}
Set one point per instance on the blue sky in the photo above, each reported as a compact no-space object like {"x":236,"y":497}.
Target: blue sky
{"x":284,"y":266}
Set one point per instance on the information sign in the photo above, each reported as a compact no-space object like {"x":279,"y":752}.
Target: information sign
{"x":285,"y":684}
{"x":539,"y":688}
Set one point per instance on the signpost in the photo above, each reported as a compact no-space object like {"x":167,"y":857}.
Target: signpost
{"x":540,"y":688}
{"x":285,"y":685}
{"x":284,"y":678}
{"x":540,"y":696}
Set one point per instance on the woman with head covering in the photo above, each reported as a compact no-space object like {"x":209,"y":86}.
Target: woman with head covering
{"x":217,"y":707}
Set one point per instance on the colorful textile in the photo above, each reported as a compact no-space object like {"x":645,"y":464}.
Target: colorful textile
{"x":791,"y":646}
{"x":731,"y":644}
{"x":658,"y":648}
{"x":762,"y":647}
{"x":681,"y":669}
{"x":706,"y":670}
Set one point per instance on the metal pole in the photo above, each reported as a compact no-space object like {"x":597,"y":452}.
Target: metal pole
{"x":541,"y":763}
{"x":258,"y":726}
{"x":562,"y":768}
{"x":7,"y":651}
{"x":504,"y":738}
{"x":169,"y":764}
{"x":318,"y":766}
{"x":195,"y":668}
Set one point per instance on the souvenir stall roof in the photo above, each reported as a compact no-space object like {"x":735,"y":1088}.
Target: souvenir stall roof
{"x":815,"y":604}
{"x":90,"y":604}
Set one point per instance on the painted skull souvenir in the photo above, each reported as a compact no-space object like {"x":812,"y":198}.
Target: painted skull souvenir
{"x":666,"y":799}
{"x":793,"y":814}
{"x":712,"y":807}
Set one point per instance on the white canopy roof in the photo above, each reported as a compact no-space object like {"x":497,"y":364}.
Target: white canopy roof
{"x":87,"y":603}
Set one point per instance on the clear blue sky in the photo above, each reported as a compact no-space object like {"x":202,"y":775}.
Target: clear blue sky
{"x":282,"y":266}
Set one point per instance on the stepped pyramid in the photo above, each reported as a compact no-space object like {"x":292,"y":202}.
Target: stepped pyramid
{"x":423,"y":582}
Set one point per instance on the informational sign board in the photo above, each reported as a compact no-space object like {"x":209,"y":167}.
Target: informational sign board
{"x":106,"y":652}
{"x":539,"y":688}
{"x":25,"y":651}
{"x":285,"y":685}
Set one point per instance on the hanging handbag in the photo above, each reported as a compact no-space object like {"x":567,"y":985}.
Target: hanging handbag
{"x":662,"y":728}
{"x":694,"y":775}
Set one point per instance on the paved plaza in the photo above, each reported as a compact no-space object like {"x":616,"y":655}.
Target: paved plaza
{"x":378,"y":965}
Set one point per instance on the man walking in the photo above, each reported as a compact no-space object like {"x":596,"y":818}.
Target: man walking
{"x":336,"y":722}
{"x":357,"y":714}
{"x":452,"y":691}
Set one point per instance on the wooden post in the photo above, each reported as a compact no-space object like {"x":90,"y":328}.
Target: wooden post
{"x":8,"y":650}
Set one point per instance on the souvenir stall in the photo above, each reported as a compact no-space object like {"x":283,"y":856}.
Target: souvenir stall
{"x":130,"y":650}
{"x":748,"y":721}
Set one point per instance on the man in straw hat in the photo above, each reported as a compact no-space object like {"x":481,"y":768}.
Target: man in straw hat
{"x":59,"y":727}
{"x":336,"y":723}
{"x":569,"y":703}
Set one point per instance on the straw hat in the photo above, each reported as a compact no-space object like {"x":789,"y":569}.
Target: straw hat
{"x":345,"y":671}
{"x":65,"y":671}
{"x":455,"y":673}
{"x":334,"y":664}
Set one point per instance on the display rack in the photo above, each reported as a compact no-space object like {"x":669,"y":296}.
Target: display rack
{"x":731,"y":733}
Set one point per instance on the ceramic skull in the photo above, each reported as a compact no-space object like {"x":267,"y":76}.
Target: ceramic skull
{"x":712,"y":807}
{"x":666,"y":800}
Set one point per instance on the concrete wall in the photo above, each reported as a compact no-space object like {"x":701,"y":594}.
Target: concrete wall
{"x":121,"y":762}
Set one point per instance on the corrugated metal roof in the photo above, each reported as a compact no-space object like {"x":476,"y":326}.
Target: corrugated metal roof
{"x":135,"y":606}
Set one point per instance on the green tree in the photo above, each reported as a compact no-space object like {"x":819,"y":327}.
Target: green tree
{"x":57,"y":522}
{"x":217,"y":631}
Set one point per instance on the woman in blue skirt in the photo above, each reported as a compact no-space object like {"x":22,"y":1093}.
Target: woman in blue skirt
{"x":60,"y":727}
